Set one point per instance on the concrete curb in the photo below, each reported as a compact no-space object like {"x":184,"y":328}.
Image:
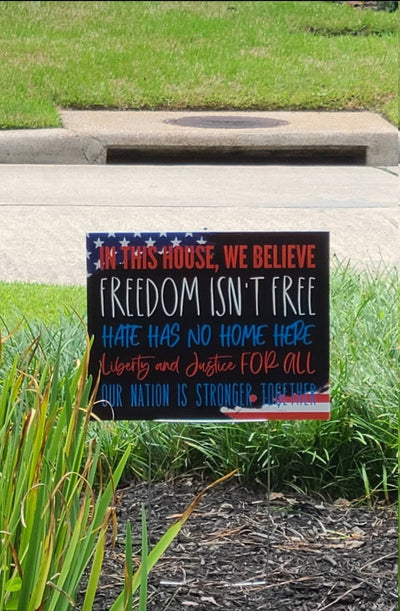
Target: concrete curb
{"x":87,"y":136}
{"x":49,"y":146}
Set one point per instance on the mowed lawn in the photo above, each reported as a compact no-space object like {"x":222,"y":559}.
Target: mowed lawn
{"x":209,"y":55}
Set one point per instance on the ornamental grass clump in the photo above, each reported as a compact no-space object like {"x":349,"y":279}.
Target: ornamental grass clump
{"x":53,"y":521}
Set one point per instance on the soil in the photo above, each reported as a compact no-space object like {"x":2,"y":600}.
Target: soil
{"x":238,"y":551}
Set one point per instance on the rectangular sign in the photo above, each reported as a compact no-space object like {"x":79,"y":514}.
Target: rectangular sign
{"x":209,"y":326}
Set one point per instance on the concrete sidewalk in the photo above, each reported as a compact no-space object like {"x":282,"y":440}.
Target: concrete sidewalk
{"x":199,"y":185}
{"x":46,"y":211}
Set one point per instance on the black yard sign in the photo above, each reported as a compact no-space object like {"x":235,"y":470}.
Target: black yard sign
{"x":209,"y":326}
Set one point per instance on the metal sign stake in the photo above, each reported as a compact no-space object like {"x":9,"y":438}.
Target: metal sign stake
{"x":149,"y":478}
{"x":268,"y":494}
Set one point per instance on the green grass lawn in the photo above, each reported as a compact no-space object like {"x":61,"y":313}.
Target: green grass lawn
{"x":40,"y":303}
{"x":210,"y":55}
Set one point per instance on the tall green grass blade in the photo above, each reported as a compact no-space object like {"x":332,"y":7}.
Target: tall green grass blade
{"x":127,"y":598}
{"x":385,"y":484}
{"x":95,"y":571}
{"x":144,"y":569}
{"x":34,"y":551}
{"x":366,"y":483}
{"x":45,"y":564}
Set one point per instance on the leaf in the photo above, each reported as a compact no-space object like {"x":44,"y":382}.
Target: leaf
{"x":144,"y":569}
{"x":13,"y":584}
{"x":128,"y":568}
{"x":35,"y":550}
{"x":95,"y":571}
{"x":276,"y":495}
{"x":45,"y":563}
{"x":209,"y":599}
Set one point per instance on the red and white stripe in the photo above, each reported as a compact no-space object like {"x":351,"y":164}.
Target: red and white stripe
{"x":287,"y":409}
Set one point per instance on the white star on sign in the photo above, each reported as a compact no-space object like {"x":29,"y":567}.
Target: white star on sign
{"x":124,"y":242}
{"x":175,"y":242}
{"x":88,"y":255}
{"x":201,"y":241}
{"x":98,"y":243}
{"x":163,"y":235}
{"x":188,"y":235}
{"x":97,"y":264}
{"x":150,"y":242}
{"x":137,"y":235}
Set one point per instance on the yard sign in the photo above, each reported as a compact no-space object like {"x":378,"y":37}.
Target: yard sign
{"x":209,"y":326}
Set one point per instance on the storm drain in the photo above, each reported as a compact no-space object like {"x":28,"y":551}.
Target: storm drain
{"x":234,"y":153}
{"x":191,"y":155}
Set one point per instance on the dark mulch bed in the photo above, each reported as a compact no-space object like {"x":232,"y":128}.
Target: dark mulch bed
{"x":237,"y":553}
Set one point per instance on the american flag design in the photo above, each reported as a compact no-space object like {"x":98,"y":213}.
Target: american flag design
{"x":99,"y":243}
